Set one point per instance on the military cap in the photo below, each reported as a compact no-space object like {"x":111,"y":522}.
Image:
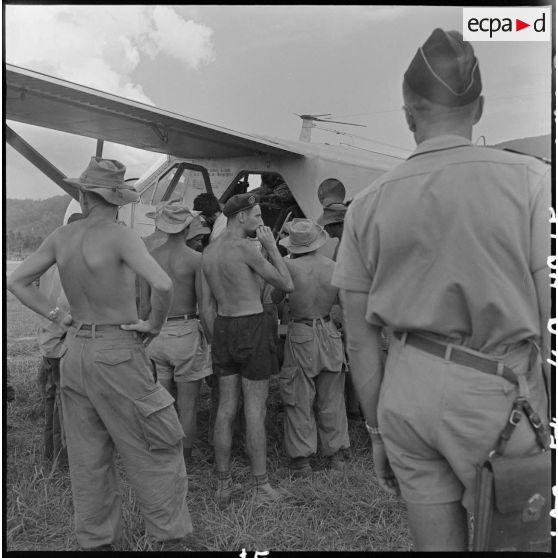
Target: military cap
{"x":445,"y":70}
{"x":240,"y":202}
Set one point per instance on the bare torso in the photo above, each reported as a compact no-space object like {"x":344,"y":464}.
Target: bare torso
{"x":313,"y":294}
{"x":181,"y":263}
{"x":99,"y":286}
{"x":234,"y":285}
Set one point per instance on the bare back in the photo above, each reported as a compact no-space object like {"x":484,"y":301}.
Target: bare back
{"x":100,"y":287}
{"x":313,"y":294}
{"x":234,"y":284}
{"x":181,"y":264}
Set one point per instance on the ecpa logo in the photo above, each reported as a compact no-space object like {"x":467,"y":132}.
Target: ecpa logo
{"x":507,"y":24}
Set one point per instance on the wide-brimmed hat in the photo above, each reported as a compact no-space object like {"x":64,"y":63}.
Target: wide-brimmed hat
{"x":159,"y":207}
{"x":445,"y":70}
{"x":333,"y":213}
{"x":304,"y":236}
{"x":105,"y":177}
{"x":173,"y":218}
{"x":197,"y":227}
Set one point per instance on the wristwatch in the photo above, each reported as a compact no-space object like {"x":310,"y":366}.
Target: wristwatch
{"x":53,"y":314}
{"x":374,"y":431}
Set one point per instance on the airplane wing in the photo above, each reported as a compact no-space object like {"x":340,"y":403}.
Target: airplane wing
{"x":42,"y":100}
{"x":536,"y":146}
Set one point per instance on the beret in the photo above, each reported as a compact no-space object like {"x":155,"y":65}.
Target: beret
{"x":238,"y":203}
{"x":445,"y":70}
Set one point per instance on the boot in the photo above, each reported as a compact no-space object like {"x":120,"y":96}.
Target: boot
{"x":225,"y":488}
{"x":264,"y":493}
{"x":337,"y":461}
{"x":300,"y":467}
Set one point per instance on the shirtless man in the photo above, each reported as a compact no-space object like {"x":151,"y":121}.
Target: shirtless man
{"x":180,"y":352}
{"x":314,"y":356}
{"x":109,"y":398}
{"x":233,"y":269}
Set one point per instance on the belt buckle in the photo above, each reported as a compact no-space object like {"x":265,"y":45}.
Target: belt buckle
{"x":515,"y":417}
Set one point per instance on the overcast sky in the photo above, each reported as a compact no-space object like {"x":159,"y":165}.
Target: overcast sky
{"x":250,"y":68}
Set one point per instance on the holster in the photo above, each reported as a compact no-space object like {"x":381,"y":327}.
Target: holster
{"x":512,"y":504}
{"x":513,"y":494}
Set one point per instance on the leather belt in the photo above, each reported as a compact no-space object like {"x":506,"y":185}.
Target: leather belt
{"x":182,"y":317}
{"x":310,"y":321}
{"x":436,"y":348}
{"x":97,"y":327}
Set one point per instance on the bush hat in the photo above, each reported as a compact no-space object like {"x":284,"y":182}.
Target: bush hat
{"x":240,"y":202}
{"x":105,"y":177}
{"x":445,"y":70}
{"x":197,"y":228}
{"x":333,"y":213}
{"x":159,"y":207}
{"x":304,"y":236}
{"x":173,"y":218}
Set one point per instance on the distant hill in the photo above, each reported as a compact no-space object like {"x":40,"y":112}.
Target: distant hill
{"x":29,"y":222}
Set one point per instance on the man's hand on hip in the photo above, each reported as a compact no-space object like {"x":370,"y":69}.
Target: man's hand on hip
{"x":145,"y":329}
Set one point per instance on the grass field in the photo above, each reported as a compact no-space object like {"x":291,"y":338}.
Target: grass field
{"x":329,"y":510}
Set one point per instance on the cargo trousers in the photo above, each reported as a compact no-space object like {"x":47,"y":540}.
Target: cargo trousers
{"x":53,"y":435}
{"x":111,"y":403}
{"x":313,"y":370}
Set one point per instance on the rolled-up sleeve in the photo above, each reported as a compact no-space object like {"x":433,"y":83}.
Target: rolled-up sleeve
{"x":351,"y":272}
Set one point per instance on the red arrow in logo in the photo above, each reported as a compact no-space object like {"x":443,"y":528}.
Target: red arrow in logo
{"x":519,"y":25}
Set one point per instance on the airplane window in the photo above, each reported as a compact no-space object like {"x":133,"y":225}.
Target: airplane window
{"x":163,"y":185}
{"x":146,"y":195}
{"x":190,"y":185}
{"x":254,"y":181}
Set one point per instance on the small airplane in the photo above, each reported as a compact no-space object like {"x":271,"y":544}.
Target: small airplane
{"x":196,"y":156}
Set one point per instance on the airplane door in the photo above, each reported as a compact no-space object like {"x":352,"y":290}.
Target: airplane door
{"x":183,"y":180}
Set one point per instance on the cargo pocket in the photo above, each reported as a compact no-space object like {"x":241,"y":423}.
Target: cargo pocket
{"x":202,"y":359}
{"x":287,"y":385}
{"x":301,"y":349}
{"x":158,"y":419}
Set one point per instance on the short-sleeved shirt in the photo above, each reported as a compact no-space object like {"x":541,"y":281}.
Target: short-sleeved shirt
{"x":448,"y":243}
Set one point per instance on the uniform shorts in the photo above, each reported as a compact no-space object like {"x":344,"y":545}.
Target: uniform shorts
{"x":245,"y":345}
{"x":181,"y":352}
{"x":439,"y":419}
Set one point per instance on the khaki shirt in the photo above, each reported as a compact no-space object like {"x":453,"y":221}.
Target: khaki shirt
{"x":448,"y":242}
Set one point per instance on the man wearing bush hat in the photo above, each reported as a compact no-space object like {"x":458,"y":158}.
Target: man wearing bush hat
{"x":180,"y":352}
{"x":314,"y":357}
{"x":110,"y":400}
{"x":448,"y":251}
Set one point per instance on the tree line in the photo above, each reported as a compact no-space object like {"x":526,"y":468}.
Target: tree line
{"x":29,"y":222}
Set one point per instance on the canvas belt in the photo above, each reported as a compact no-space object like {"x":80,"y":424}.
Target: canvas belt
{"x":457,"y":355}
{"x":182,"y":317}
{"x":310,"y":321}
